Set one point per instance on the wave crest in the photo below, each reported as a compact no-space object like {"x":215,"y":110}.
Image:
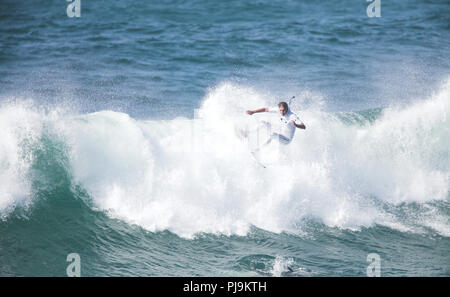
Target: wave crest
{"x":196,"y":175}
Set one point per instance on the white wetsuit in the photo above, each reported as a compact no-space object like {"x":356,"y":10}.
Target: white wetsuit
{"x":286,"y":130}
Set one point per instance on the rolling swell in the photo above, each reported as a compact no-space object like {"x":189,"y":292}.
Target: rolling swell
{"x":182,"y":196}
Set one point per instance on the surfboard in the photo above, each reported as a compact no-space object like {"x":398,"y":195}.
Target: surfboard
{"x":253,"y":154}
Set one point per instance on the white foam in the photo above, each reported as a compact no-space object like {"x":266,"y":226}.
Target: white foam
{"x":196,"y":175}
{"x":281,"y":265}
{"x":19,"y":130}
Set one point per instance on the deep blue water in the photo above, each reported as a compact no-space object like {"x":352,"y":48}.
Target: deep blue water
{"x":94,"y":110}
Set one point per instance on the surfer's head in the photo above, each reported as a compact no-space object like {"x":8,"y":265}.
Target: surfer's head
{"x":283,"y":106}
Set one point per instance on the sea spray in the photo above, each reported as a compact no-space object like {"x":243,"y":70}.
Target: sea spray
{"x":157,"y":175}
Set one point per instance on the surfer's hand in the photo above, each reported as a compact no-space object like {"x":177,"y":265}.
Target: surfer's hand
{"x":250,"y":112}
{"x":301,"y":126}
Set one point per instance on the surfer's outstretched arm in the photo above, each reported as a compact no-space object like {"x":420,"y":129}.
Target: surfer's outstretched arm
{"x":263,"y":109}
{"x":300,"y":126}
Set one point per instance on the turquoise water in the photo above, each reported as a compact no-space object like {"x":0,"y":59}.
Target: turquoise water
{"x":117,"y":138}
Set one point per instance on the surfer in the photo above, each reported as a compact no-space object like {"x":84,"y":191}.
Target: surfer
{"x":289,"y":121}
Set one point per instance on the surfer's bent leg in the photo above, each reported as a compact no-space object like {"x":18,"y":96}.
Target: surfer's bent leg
{"x":281,"y":139}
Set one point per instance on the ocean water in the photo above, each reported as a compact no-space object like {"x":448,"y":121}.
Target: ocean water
{"x":118,"y":138}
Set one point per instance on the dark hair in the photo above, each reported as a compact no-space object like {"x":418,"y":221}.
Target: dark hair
{"x":284,"y":104}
